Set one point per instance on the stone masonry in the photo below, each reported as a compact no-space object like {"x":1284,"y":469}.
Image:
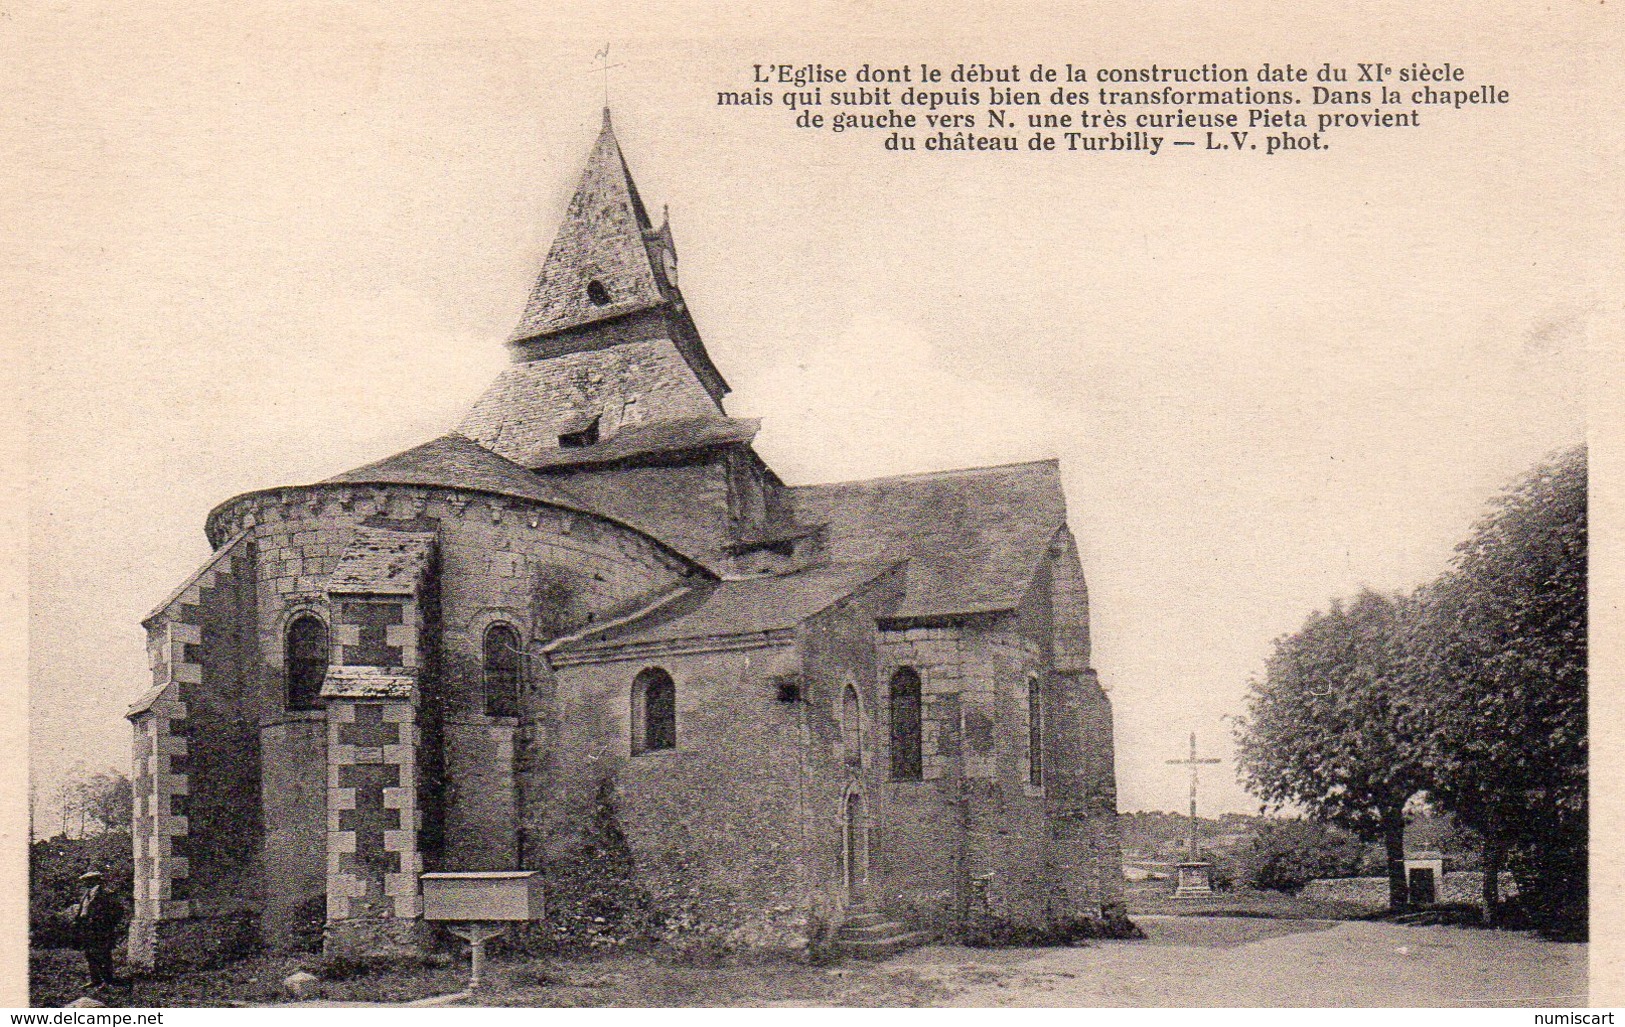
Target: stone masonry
{"x":593,"y":634}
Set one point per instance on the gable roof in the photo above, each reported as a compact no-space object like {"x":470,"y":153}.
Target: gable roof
{"x":749,"y":606}
{"x":455,"y":461}
{"x":600,"y":240}
{"x":973,"y":538}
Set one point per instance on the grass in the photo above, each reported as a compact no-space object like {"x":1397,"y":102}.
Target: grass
{"x":1241,"y":902}
{"x":622,"y":979}
{"x":57,"y":976}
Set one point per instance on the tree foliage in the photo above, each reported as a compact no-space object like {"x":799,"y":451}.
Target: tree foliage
{"x":1473,"y":690}
{"x":85,"y":804}
{"x":1502,"y":645}
{"x":109,"y":801}
{"x":1288,"y":854}
{"x":1323,"y":729}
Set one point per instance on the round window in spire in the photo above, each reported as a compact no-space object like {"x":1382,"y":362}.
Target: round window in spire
{"x":597,"y":293}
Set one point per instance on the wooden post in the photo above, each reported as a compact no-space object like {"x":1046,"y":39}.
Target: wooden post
{"x":476,"y":934}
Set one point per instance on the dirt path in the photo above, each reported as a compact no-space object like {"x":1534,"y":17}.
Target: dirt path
{"x":1199,"y":961}
{"x":1183,"y":961}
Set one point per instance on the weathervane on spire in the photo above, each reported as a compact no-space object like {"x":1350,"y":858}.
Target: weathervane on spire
{"x":602,"y":56}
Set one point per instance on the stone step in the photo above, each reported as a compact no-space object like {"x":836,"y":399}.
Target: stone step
{"x":883,"y":947}
{"x":863,"y":919}
{"x":871,"y":932}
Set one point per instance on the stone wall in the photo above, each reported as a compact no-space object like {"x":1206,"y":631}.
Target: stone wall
{"x":294,"y":793}
{"x":920,"y":872}
{"x":838,"y":651}
{"x":1465,"y":887}
{"x":974,"y":837}
{"x":1010,"y":831}
{"x":537,"y":568}
{"x":760,"y":862}
{"x":196,"y":819}
{"x":715,"y":824}
{"x":373,"y":815}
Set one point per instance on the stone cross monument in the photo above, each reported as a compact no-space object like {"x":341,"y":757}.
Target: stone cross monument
{"x":1194,"y":877}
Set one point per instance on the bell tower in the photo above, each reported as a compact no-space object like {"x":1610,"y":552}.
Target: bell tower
{"x":606,"y":340}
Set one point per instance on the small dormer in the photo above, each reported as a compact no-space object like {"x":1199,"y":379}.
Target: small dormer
{"x":580,"y":432}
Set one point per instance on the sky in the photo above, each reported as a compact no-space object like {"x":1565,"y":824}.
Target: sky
{"x":261,"y":248}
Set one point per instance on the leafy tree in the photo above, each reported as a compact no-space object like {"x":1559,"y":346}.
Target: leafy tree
{"x":109,"y":801}
{"x":1502,"y":645}
{"x":1288,"y":854}
{"x":1322,"y":729}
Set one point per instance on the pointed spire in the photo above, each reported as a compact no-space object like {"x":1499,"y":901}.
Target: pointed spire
{"x":599,"y":266}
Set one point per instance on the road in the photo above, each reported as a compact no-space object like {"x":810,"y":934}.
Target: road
{"x":1213,"y":961}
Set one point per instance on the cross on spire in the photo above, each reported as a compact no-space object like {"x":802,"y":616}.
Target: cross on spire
{"x":1193,"y":762}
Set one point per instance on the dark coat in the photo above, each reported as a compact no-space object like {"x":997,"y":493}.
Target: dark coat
{"x":96,"y":924}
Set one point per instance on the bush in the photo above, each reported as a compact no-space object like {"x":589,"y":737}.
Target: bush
{"x":1288,"y":854}
{"x":54,"y":866}
{"x":990,"y":932}
{"x":1224,"y":870}
{"x":594,"y":900}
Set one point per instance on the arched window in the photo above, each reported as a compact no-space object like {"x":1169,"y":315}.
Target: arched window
{"x":1035,"y":733}
{"x":851,"y":727}
{"x":502,"y":657}
{"x":905,"y":725}
{"x":306,"y":658}
{"x":654,"y":711}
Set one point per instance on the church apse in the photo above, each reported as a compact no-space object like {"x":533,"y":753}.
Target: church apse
{"x":874,"y":704}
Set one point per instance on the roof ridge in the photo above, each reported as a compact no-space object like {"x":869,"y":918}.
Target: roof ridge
{"x":925,"y":475}
{"x":871,"y":571}
{"x":862,"y":574}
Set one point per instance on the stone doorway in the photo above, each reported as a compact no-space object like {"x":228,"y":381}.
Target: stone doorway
{"x":854,"y":847}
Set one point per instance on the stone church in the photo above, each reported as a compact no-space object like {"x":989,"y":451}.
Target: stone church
{"x":592,"y":618}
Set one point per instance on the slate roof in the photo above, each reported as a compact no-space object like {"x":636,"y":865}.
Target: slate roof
{"x":379,"y":561}
{"x":973,"y":538}
{"x":145,"y":703}
{"x":673,"y":435}
{"x":454,"y":461}
{"x":522,"y":413}
{"x":740,"y":607}
{"x":601,"y":239}
{"x":368,"y":683}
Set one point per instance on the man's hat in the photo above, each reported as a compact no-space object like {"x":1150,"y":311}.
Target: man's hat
{"x":91,"y":875}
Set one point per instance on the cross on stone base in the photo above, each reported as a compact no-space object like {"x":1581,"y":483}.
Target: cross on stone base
{"x":1194,"y":878}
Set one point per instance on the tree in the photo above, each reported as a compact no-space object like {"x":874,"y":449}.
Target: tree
{"x":1502,"y":645}
{"x":1323,"y":727}
{"x":1288,"y":854}
{"x":109,"y":801}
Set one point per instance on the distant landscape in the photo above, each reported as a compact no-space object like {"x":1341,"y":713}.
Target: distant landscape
{"x":1153,"y":838}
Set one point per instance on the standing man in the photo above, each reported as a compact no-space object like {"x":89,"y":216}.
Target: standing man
{"x":96,"y":921}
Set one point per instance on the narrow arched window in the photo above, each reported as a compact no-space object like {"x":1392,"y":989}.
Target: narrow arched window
{"x":306,"y":658}
{"x":1035,"y":733}
{"x":502,"y":657}
{"x":905,"y":725}
{"x":654,"y":711}
{"x":851,"y":727}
